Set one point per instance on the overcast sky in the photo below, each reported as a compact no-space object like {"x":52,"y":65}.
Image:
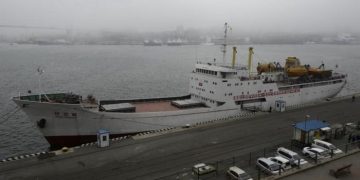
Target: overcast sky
{"x":160,"y":15}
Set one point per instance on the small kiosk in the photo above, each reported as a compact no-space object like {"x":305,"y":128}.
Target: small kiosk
{"x":103,"y":138}
{"x":280,"y":105}
{"x":306,"y":131}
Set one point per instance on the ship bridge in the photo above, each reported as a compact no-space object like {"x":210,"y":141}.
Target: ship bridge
{"x":221,"y":71}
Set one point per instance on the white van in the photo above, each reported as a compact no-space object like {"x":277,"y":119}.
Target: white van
{"x":326,"y":146}
{"x":292,"y":156}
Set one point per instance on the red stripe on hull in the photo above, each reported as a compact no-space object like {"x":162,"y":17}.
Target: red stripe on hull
{"x":57,"y":142}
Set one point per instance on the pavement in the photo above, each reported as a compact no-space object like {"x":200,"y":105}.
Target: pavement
{"x":161,"y":156}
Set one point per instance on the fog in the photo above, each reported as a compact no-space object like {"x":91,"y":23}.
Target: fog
{"x":303,"y":16}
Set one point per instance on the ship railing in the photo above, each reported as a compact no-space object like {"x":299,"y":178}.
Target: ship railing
{"x":226,"y":65}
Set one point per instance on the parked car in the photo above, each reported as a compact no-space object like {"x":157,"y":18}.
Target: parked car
{"x":315,"y":152}
{"x":285,"y":163}
{"x":268,"y":166}
{"x":292,"y":156}
{"x":326,"y":146}
{"x":237,"y":173}
{"x":203,"y":168}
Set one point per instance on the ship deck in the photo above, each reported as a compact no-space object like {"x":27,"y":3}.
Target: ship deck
{"x":154,"y":106}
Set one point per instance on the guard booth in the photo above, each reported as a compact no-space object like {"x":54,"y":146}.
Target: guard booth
{"x":306,"y":131}
{"x":103,"y":138}
{"x":280,"y":105}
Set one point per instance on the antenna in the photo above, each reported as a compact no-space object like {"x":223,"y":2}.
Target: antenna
{"x":224,"y":45}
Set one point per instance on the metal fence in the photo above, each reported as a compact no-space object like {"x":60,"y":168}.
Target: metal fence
{"x":247,"y":161}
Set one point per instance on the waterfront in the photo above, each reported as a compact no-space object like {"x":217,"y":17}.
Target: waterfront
{"x":117,"y":72}
{"x":171,"y":156}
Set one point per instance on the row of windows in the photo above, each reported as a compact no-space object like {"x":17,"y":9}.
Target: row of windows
{"x":229,"y":84}
{"x":204,"y":99}
{"x":200,"y":89}
{"x":259,"y":91}
{"x":204,"y":71}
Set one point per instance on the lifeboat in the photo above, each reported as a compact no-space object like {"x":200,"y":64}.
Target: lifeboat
{"x":296,"y":71}
{"x":265,"y":68}
{"x":319,"y":72}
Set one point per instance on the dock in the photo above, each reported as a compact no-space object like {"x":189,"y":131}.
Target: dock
{"x":171,"y":155}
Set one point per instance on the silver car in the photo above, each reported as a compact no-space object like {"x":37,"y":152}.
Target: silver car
{"x":268,"y":166}
{"x":237,"y":173}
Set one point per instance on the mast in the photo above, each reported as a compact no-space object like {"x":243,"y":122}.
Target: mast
{"x":251,"y":52}
{"x":224,"y":45}
{"x":234,"y":57}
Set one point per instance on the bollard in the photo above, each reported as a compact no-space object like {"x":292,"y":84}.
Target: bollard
{"x":332,"y":153}
{"x":316,"y":158}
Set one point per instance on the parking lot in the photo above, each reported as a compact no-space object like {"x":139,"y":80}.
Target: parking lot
{"x":247,"y":162}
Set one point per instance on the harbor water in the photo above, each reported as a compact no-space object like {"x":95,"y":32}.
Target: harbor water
{"x":123,"y":72}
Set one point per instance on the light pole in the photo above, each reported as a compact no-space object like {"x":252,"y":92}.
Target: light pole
{"x":307,"y":133}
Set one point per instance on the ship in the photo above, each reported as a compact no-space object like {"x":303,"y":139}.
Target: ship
{"x":175,"y":42}
{"x":153,"y":43}
{"x":216,"y":91}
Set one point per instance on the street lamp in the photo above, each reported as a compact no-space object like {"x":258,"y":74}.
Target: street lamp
{"x":307,"y":133}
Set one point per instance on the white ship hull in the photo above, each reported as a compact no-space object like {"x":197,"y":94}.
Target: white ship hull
{"x":71,"y":124}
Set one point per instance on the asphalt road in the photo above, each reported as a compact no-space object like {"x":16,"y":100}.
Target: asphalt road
{"x":161,"y":156}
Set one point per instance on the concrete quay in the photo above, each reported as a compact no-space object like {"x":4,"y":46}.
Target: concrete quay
{"x":156,"y":157}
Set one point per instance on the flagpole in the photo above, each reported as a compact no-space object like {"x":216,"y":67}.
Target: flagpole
{"x":40,"y":71}
{"x":39,"y":86}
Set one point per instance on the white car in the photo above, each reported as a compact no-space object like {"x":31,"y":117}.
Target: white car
{"x":237,"y":173}
{"x":313,"y":152}
{"x":203,"y":168}
{"x":326,"y":146}
{"x":292,"y":156}
{"x":285,"y":163}
{"x":268,"y":166}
